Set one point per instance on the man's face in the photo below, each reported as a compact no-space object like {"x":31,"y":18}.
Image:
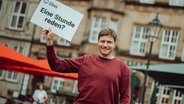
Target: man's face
{"x":41,"y":87}
{"x":106,"y":44}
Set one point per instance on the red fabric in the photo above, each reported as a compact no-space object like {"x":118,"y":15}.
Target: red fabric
{"x":17,"y":62}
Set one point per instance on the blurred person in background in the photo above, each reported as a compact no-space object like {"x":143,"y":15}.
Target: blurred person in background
{"x":39,"y":95}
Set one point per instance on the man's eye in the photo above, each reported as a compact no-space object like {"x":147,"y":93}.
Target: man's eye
{"x":103,"y":41}
{"x":109,"y":42}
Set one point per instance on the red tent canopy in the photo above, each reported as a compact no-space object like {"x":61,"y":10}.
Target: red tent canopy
{"x":14,"y":61}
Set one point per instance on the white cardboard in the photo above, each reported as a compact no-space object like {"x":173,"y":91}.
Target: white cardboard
{"x":62,"y":19}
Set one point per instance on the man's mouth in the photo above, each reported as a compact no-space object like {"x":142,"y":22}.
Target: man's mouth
{"x":105,"y":49}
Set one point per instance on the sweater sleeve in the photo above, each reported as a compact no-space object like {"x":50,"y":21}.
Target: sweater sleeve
{"x":58,"y":65}
{"x":125,"y":86}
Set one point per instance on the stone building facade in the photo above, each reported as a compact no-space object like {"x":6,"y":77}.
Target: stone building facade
{"x":16,"y":32}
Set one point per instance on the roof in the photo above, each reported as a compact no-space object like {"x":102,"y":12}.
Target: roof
{"x":17,"y":62}
{"x":166,"y":74}
{"x":177,"y":68}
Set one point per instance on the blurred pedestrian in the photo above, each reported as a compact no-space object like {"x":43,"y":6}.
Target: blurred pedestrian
{"x":40,"y":95}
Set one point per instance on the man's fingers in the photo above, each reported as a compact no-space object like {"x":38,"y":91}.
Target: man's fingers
{"x":46,"y":32}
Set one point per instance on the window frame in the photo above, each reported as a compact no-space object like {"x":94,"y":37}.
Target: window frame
{"x":1,"y":5}
{"x":42,"y":39}
{"x":163,"y":96}
{"x":53,"y":100}
{"x":25,"y":84}
{"x":113,"y":24}
{"x":75,"y":87}
{"x":63,"y":54}
{"x":2,"y":73}
{"x":19,"y":48}
{"x":18,"y":15}
{"x":178,"y":3}
{"x":12,"y":75}
{"x":147,"y":1}
{"x":95,"y":28}
{"x":167,"y":47}
{"x":63,"y":42}
{"x":13,"y":46}
{"x":182,"y":56}
{"x":176,"y":97}
{"x":58,"y":86}
{"x":140,"y":38}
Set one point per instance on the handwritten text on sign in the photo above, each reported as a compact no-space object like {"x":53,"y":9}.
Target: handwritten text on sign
{"x":61,"y":19}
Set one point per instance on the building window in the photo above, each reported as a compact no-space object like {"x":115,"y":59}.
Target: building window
{"x":25,"y":84}
{"x":113,"y":24}
{"x":133,"y":63}
{"x":97,"y":24}
{"x":176,"y":3}
{"x":177,"y":97}
{"x":1,"y":74}
{"x":182,"y":57}
{"x":139,"y":41}
{"x":42,"y":39}
{"x":1,"y":3}
{"x":147,"y":1}
{"x":75,"y":88}
{"x":57,"y":84}
{"x":18,"y":15}
{"x":68,"y":86}
{"x":62,"y":101}
{"x":63,"y":54}
{"x":53,"y":101}
{"x":63,"y":42}
{"x":169,"y":44}
{"x":19,"y":49}
{"x":164,"y":95}
{"x":12,"y":76}
{"x":13,"y":93}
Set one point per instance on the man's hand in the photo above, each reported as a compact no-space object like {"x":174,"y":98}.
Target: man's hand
{"x":49,"y":36}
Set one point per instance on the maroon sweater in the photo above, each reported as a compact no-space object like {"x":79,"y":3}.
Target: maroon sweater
{"x":100,"y":81}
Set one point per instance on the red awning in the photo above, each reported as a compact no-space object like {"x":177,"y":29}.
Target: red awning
{"x":17,"y":62}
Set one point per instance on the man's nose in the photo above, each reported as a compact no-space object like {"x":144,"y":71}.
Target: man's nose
{"x":105,"y":44}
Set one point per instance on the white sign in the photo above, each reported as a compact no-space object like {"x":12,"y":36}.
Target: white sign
{"x":62,"y":19}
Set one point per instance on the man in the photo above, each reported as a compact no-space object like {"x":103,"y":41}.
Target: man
{"x":102,"y":78}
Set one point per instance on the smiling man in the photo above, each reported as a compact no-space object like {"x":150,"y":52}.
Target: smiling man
{"x":102,"y":78}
